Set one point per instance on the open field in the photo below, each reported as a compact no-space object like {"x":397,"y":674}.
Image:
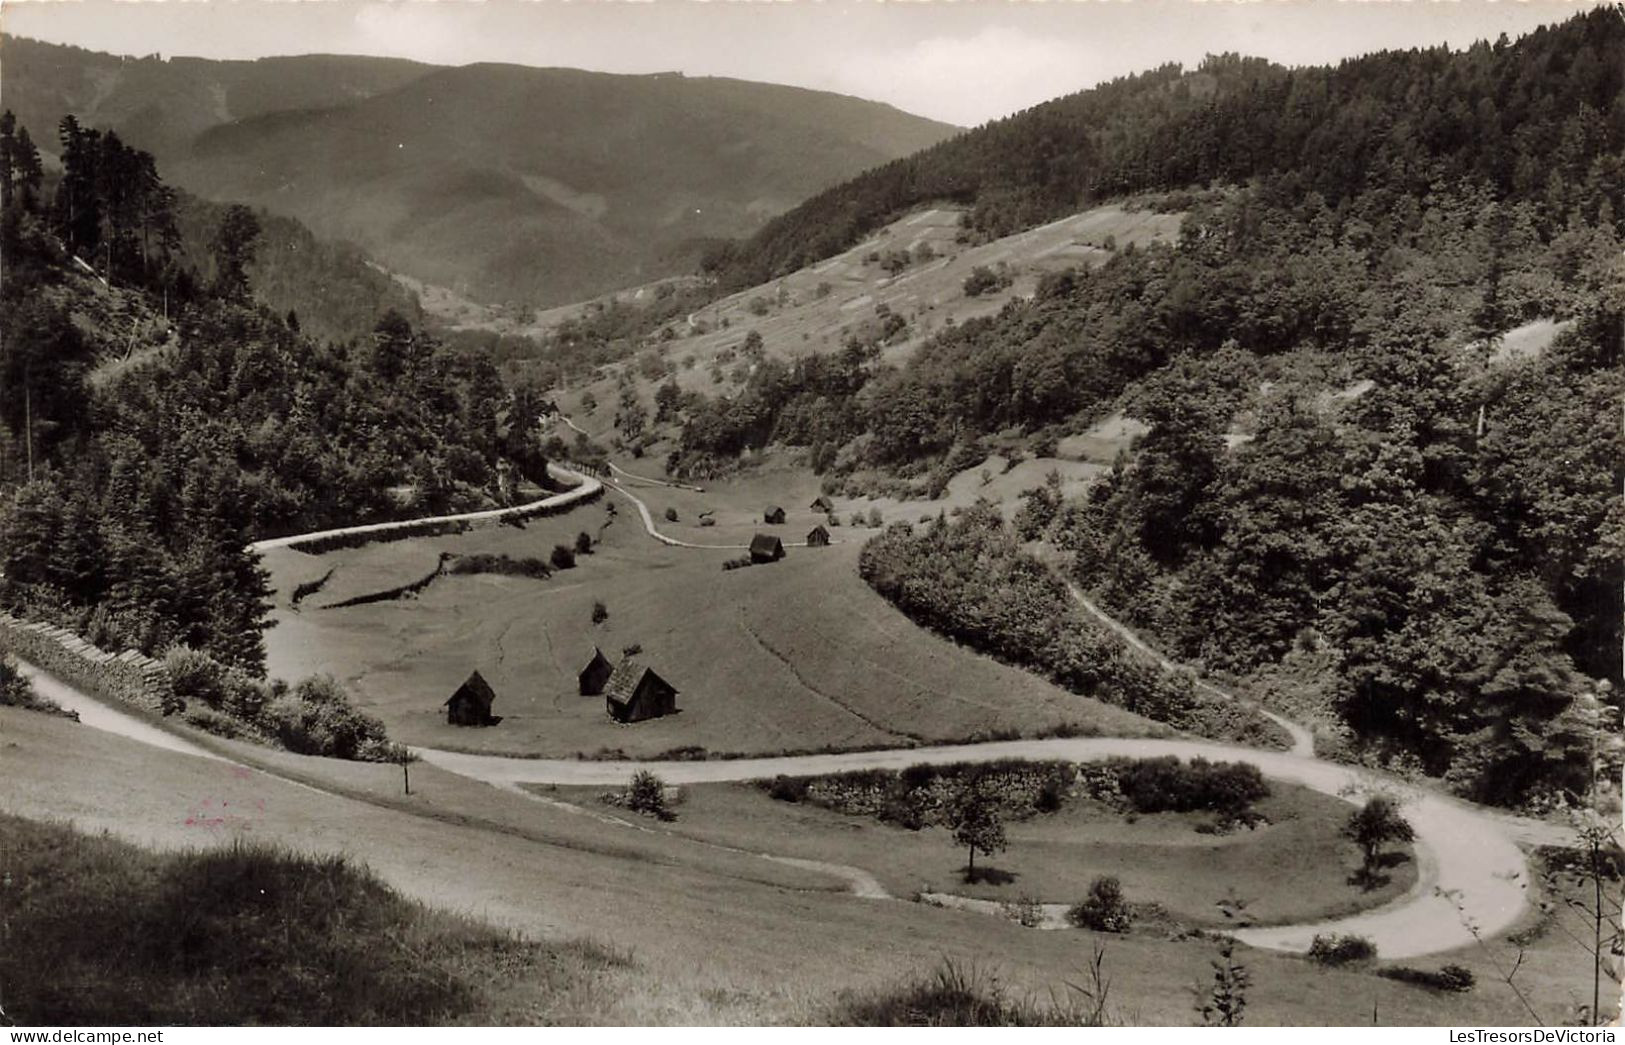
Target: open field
{"x":1293,"y":869}
{"x":728,"y":949}
{"x":795,"y":655}
{"x":813,"y":309}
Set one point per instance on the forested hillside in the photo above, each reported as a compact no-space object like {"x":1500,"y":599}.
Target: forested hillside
{"x":1349,"y":495}
{"x":503,"y":182}
{"x":1533,"y":119}
{"x":129,"y":489}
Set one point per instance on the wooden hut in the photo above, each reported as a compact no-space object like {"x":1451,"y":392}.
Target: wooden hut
{"x":822,"y":505}
{"x":595,"y":674}
{"x":634,"y":693}
{"x":766,"y":548}
{"x":471,"y":704}
{"x":818,"y":537}
{"x":774,"y":515}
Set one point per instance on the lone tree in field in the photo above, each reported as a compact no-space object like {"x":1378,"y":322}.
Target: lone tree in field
{"x":974,"y":817}
{"x":647,"y":795}
{"x":1372,"y":827}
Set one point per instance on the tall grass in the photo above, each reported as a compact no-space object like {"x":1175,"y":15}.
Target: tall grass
{"x":100,"y":932}
{"x":964,"y":994}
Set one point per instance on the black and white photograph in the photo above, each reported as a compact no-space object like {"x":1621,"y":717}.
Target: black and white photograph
{"x":817,"y":513}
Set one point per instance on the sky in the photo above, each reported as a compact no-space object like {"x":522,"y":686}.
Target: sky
{"x":961,"y":61}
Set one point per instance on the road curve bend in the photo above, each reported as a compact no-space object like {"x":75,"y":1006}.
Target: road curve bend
{"x":1471,"y":874}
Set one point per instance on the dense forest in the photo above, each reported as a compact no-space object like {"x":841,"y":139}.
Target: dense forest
{"x":132,"y":476}
{"x":1350,"y":496}
{"x":1538,"y":119}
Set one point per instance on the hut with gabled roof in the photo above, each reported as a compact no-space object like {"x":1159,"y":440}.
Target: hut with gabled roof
{"x":774,"y":515}
{"x":635,"y":693}
{"x":471,"y":704}
{"x":818,"y":537}
{"x":592,"y":677}
{"x":765,"y":547}
{"x":822,"y":504}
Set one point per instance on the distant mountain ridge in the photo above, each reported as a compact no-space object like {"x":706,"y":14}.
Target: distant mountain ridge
{"x":507,"y":183}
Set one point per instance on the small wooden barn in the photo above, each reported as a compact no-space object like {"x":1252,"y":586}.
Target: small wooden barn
{"x":471,"y":704}
{"x":595,"y":674}
{"x":818,"y":537}
{"x":822,"y":504}
{"x":766,"y":548}
{"x":634,"y":693}
{"x":774,"y":515}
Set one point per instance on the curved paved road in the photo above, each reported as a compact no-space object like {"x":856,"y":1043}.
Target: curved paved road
{"x":1470,"y":869}
{"x":1471,"y":873}
{"x":585,"y":486}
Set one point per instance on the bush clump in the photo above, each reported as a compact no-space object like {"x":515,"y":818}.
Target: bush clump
{"x":1457,"y":979}
{"x":788,"y":788}
{"x":316,"y":718}
{"x":1105,"y":909}
{"x":562,"y":558}
{"x":600,"y":612}
{"x":484,"y":562}
{"x":1157,"y":785}
{"x":1341,"y":949}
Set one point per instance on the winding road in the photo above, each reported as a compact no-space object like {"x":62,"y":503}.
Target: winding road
{"x":1472,"y":882}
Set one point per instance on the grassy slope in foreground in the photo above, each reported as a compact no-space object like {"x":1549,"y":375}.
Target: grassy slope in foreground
{"x":102,"y":932}
{"x":709,"y":946}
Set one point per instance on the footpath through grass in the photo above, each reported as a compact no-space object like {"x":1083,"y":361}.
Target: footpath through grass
{"x":100,"y":932}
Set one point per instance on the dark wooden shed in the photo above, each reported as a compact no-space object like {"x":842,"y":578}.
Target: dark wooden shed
{"x":774,"y":515}
{"x":595,"y":674}
{"x":634,"y":693}
{"x":817,"y":537}
{"x":766,"y":548}
{"x":471,"y":704}
{"x":822,"y":504}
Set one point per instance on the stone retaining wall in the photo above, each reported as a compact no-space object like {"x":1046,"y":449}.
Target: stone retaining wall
{"x":130,"y":677}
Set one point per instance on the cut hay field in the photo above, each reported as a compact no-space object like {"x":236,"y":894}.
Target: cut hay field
{"x":1294,"y":869}
{"x":797,"y":655}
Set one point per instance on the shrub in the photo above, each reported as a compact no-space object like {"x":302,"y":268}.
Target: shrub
{"x":708,"y":521}
{"x":583,"y":543}
{"x":1155,"y":785}
{"x":1105,"y":909}
{"x":562,"y":558}
{"x":1024,"y":911}
{"x":876,"y":520}
{"x":647,"y":795}
{"x":671,"y":514}
{"x":1456,"y":978}
{"x":857,"y":519}
{"x":316,"y":718}
{"x":981,"y":280}
{"x":201,"y":716}
{"x":196,"y":676}
{"x":600,"y":612}
{"x":737,"y":564}
{"x":787,"y":788}
{"x":485,"y":562}
{"x":1336,"y":949}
